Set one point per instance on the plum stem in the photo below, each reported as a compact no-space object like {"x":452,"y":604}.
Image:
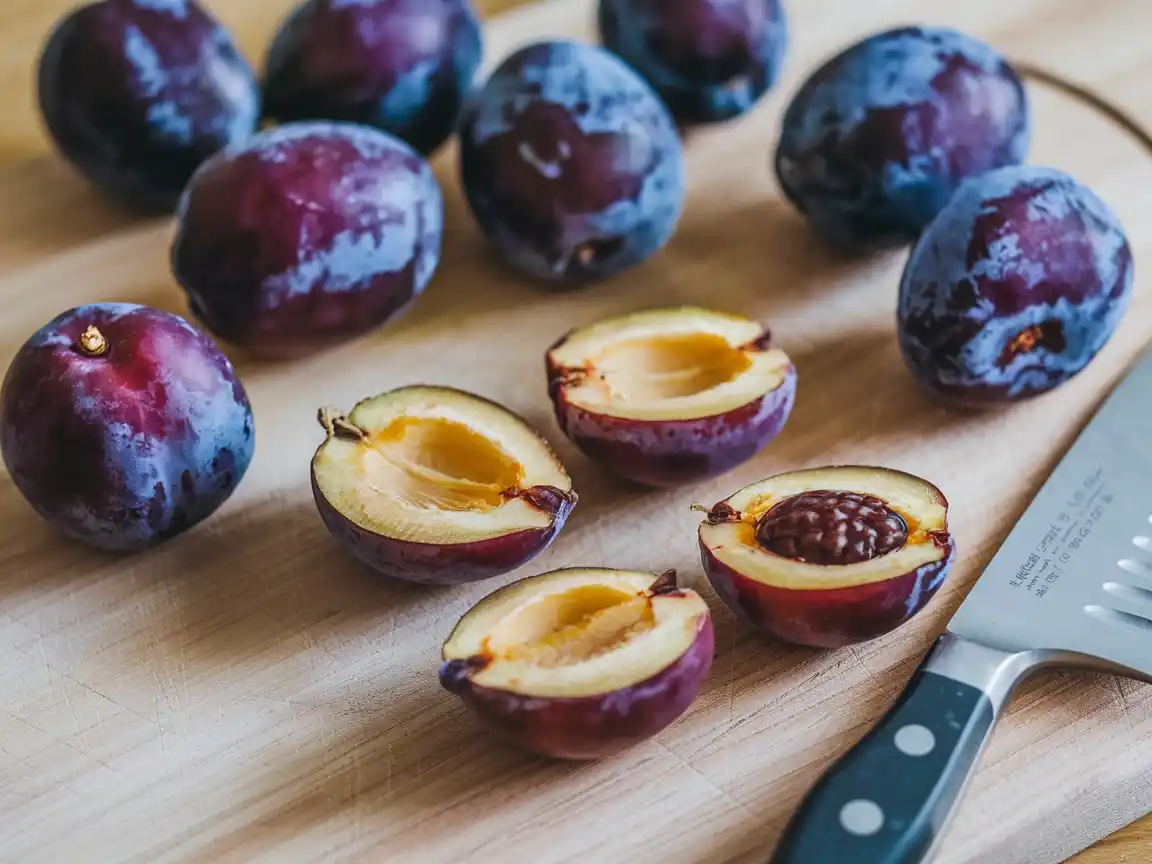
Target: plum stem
{"x":338,"y":426}
{"x":92,"y":342}
{"x":1079,"y":91}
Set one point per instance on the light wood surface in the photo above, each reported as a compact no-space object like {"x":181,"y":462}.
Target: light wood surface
{"x":249,"y":693}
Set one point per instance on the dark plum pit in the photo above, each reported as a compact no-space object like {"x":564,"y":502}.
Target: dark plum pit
{"x":826,"y":527}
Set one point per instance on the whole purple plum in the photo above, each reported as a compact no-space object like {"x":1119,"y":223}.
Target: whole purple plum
{"x":309,"y":235}
{"x":877,"y":140}
{"x":710,"y":60}
{"x":571,"y":163}
{"x":403,"y":66}
{"x":124,"y":426}
{"x":1014,"y":288}
{"x":136,"y":94}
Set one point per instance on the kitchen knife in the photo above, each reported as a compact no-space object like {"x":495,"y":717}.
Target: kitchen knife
{"x":1071,"y":586}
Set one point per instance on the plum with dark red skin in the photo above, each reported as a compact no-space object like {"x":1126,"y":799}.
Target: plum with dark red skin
{"x":403,"y":66}
{"x":124,"y":426}
{"x":648,"y":688}
{"x":709,"y":60}
{"x":137,"y":94}
{"x":1014,"y":288}
{"x":309,"y":235}
{"x":570,"y":163}
{"x":877,"y":140}
{"x":829,"y":557}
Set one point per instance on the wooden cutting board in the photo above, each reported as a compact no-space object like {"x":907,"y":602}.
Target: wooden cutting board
{"x":249,"y":693}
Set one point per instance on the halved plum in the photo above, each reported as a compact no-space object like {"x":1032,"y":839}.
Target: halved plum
{"x":831,"y":556}
{"x":438,"y":486}
{"x":671,"y":396}
{"x":581,"y":663}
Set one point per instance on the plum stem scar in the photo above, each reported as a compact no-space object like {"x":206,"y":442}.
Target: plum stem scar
{"x":92,"y":342}
{"x":337,"y":425}
{"x":1087,"y":96}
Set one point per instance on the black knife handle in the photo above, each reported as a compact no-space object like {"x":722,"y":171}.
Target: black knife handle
{"x":889,"y":797}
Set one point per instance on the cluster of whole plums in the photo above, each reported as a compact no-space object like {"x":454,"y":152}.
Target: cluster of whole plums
{"x":124,"y":426}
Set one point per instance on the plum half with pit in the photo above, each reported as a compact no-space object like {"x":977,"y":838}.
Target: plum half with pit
{"x":438,"y":486}
{"x":403,"y":66}
{"x":137,"y":94}
{"x":124,"y":426}
{"x":307,"y":236}
{"x":876,"y":141}
{"x":709,"y":60}
{"x":1014,"y":288}
{"x":831,"y":556}
{"x":581,"y":663}
{"x":669,"y":396}
{"x":571,"y":164}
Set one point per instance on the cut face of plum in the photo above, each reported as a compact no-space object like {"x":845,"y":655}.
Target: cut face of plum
{"x":671,"y":395}
{"x":436,"y":485}
{"x":831,"y":556}
{"x":581,"y":663}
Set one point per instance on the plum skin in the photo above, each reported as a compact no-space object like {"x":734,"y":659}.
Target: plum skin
{"x":590,"y":727}
{"x":136,"y":94}
{"x":571,"y":164}
{"x":362,"y":63}
{"x":877,"y":140}
{"x":308,"y":235}
{"x":709,"y":60}
{"x":129,"y":449}
{"x":1014,"y":288}
{"x":448,"y":564}
{"x":827,"y":618}
{"x":672,"y":452}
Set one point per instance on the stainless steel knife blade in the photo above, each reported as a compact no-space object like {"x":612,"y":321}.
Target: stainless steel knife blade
{"x":1075,"y":573}
{"x":1072,"y":585}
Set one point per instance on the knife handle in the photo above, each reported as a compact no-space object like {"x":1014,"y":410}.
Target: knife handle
{"x":887,"y":799}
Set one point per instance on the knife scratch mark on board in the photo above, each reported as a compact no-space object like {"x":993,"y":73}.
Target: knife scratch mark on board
{"x":1123,"y":701}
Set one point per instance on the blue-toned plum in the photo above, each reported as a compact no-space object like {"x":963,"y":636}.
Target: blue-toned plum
{"x":124,"y":426}
{"x":571,"y":163}
{"x":710,"y":60}
{"x":1014,"y":288}
{"x":309,"y":235}
{"x":403,"y":66}
{"x":877,"y":140}
{"x":136,"y":94}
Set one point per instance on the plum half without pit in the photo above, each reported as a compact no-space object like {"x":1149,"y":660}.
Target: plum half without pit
{"x":581,"y":663}
{"x":831,"y":556}
{"x":308,"y":235}
{"x":670,"y":396}
{"x":438,"y":486}
{"x":124,"y":426}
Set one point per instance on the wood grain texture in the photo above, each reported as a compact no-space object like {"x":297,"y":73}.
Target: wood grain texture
{"x":248,"y":693}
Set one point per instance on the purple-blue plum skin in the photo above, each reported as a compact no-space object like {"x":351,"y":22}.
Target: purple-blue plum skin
{"x":571,"y":164}
{"x":136,"y":94}
{"x":308,"y":235}
{"x":877,"y":140}
{"x":709,"y":60}
{"x":129,"y":448}
{"x":1014,"y":288}
{"x":403,"y":66}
